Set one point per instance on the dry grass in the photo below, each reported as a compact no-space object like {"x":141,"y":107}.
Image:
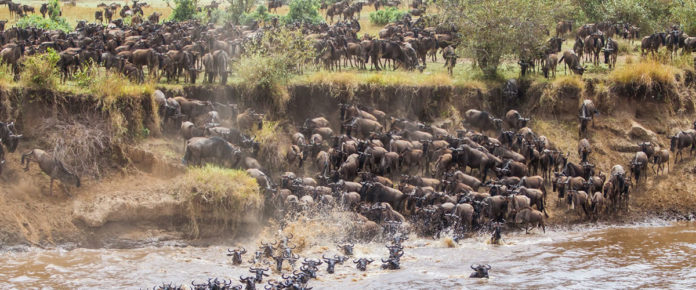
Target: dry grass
{"x":6,"y":76}
{"x":562,"y":86}
{"x":84,"y":10}
{"x":644,"y":79}
{"x":123,"y":101}
{"x":274,"y":146}
{"x":82,"y":147}
{"x":218,"y":197}
{"x":383,"y":78}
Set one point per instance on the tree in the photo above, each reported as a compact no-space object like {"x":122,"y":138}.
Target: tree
{"x":306,"y":11}
{"x":54,"y":9}
{"x":184,"y":10}
{"x":685,"y":15}
{"x":237,"y":8}
{"x":491,"y":30}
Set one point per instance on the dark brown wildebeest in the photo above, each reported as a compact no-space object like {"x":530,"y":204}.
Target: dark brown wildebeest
{"x":154,"y":17}
{"x":273,"y":5}
{"x":146,"y":57}
{"x":611,"y":52}
{"x":579,"y":201}
{"x":200,"y":150}
{"x":194,"y":108}
{"x":99,"y":16}
{"x":593,"y":47}
{"x":639,"y":166}
{"x":681,"y":140}
{"x":482,"y":121}
{"x":572,"y":61}
{"x":563,"y":27}
{"x":43,"y":9}
{"x":10,"y":54}
{"x":652,"y":43}
{"x":514,"y":120}
{"x":27,"y":9}
{"x":450,"y":59}
{"x":108,"y":14}
{"x":550,"y":63}
{"x":67,"y":63}
{"x":661,"y":157}
{"x":53,"y":167}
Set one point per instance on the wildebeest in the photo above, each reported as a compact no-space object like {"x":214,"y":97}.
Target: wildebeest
{"x":681,"y":140}
{"x":572,"y":61}
{"x":611,"y":52}
{"x":530,"y":217}
{"x":53,"y":167}
{"x":514,"y":120}
{"x":660,"y":158}
{"x":652,"y":42}
{"x":481,"y":120}
{"x":200,"y":150}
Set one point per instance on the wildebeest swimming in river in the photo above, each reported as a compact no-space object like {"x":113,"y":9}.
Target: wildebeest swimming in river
{"x":53,"y":167}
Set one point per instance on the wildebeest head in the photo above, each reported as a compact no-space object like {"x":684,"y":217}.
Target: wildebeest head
{"x":481,"y":271}
{"x":330,"y":263}
{"x":236,"y":255}
{"x":362,"y":263}
{"x":348,"y":248}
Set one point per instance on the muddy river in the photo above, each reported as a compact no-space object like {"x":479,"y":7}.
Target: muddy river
{"x":656,"y":255}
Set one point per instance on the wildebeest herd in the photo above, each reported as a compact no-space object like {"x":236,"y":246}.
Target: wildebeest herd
{"x":176,"y":49}
{"x":186,"y":49}
{"x":484,"y":172}
{"x":391,"y":169}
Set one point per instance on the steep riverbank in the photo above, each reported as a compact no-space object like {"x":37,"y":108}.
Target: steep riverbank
{"x":130,"y":170}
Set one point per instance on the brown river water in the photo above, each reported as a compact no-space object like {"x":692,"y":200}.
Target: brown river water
{"x":655,"y":255}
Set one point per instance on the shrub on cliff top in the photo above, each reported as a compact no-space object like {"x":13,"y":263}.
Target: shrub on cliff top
{"x":40,"y":70}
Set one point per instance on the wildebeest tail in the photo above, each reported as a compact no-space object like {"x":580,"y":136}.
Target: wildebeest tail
{"x":26,"y":156}
{"x":561,"y":60}
{"x":187,"y":156}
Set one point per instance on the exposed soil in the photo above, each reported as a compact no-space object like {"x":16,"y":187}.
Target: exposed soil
{"x":130,"y":202}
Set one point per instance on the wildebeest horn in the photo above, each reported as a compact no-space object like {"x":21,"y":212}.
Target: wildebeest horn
{"x":488,"y":267}
{"x":354,"y":261}
{"x":472,"y":267}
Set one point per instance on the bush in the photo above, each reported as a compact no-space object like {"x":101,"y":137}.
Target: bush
{"x":385,"y":16}
{"x":260,"y":14}
{"x":58,"y":23}
{"x":40,"y":70}
{"x":303,"y":11}
{"x":217,"y":16}
{"x":184,"y":10}
{"x":269,"y":63}
{"x":54,"y":9}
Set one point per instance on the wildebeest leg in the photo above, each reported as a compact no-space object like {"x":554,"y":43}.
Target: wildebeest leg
{"x":50,"y":187}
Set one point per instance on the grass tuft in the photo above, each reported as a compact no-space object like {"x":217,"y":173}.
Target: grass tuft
{"x":562,"y":86}
{"x":644,"y":79}
{"x":218,"y":196}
